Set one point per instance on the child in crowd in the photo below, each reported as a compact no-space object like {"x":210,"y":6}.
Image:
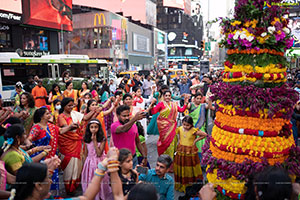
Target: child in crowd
{"x":55,"y":112}
{"x":95,"y":143}
{"x":187,"y":169}
{"x":128,"y":177}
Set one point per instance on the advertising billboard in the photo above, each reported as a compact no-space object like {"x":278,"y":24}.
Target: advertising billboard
{"x":150,"y":13}
{"x":56,"y":14}
{"x":141,"y":43}
{"x":295,"y":27}
{"x":11,"y":6}
{"x":174,"y":3}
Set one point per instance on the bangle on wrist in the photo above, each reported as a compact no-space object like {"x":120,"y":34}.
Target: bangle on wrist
{"x":101,"y":167}
{"x":45,"y":152}
{"x":50,"y":171}
{"x":99,"y":173}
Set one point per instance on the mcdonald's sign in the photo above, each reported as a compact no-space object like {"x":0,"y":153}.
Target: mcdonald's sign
{"x":99,"y":17}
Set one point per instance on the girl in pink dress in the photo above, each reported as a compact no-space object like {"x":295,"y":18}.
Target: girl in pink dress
{"x":95,"y":144}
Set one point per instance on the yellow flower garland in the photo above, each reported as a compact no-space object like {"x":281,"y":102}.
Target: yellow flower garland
{"x":230,"y":184}
{"x":233,"y":157}
{"x":241,"y":79}
{"x":249,"y":142}
{"x":272,"y":69}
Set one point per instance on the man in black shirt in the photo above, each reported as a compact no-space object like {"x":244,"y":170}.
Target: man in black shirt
{"x":29,"y":85}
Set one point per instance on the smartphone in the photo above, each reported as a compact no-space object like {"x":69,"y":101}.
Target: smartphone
{"x":142,"y":170}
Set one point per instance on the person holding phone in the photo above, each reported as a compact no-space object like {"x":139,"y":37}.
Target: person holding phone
{"x":125,"y":133}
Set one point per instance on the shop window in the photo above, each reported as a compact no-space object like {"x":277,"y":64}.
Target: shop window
{"x":5,"y":36}
{"x":35,"y":39}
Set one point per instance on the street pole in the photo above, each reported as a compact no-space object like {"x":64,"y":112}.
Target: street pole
{"x":208,"y":5}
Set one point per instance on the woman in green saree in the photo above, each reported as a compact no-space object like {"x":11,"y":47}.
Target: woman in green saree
{"x":13,"y":155}
{"x":197,"y":111}
{"x":26,"y":110}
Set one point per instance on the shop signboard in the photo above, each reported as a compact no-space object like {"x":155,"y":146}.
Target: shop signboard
{"x":32,"y":53}
{"x":56,"y":14}
{"x":11,"y":11}
{"x":182,"y":58}
{"x":99,"y":19}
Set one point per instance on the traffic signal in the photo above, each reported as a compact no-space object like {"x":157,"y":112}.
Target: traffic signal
{"x":202,"y":44}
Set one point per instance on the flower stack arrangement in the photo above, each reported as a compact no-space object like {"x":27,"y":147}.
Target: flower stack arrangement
{"x":252,"y":127}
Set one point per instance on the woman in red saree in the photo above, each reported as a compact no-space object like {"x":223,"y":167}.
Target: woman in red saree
{"x":167,"y":123}
{"x":70,"y":144}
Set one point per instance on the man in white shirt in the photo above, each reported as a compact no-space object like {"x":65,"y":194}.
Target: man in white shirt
{"x":147,"y":87}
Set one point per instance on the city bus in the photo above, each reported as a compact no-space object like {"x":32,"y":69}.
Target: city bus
{"x":14,"y":68}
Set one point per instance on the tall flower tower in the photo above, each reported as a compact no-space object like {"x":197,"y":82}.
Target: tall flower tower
{"x":252,"y":127}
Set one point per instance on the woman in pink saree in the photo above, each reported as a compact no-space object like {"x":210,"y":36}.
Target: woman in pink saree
{"x":166,"y":123}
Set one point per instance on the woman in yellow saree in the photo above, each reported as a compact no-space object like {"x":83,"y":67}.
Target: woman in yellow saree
{"x":166,"y":123}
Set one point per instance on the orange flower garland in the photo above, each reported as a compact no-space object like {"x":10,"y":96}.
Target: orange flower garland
{"x":245,"y":122}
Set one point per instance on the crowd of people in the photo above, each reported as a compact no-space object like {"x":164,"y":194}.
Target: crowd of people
{"x":96,"y":138}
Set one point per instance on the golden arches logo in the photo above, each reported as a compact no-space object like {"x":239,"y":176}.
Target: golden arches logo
{"x":99,"y":17}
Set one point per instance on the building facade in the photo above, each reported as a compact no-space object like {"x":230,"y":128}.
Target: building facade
{"x":185,"y":32}
{"x":30,"y":27}
{"x":140,"y":46}
{"x":100,"y":34}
